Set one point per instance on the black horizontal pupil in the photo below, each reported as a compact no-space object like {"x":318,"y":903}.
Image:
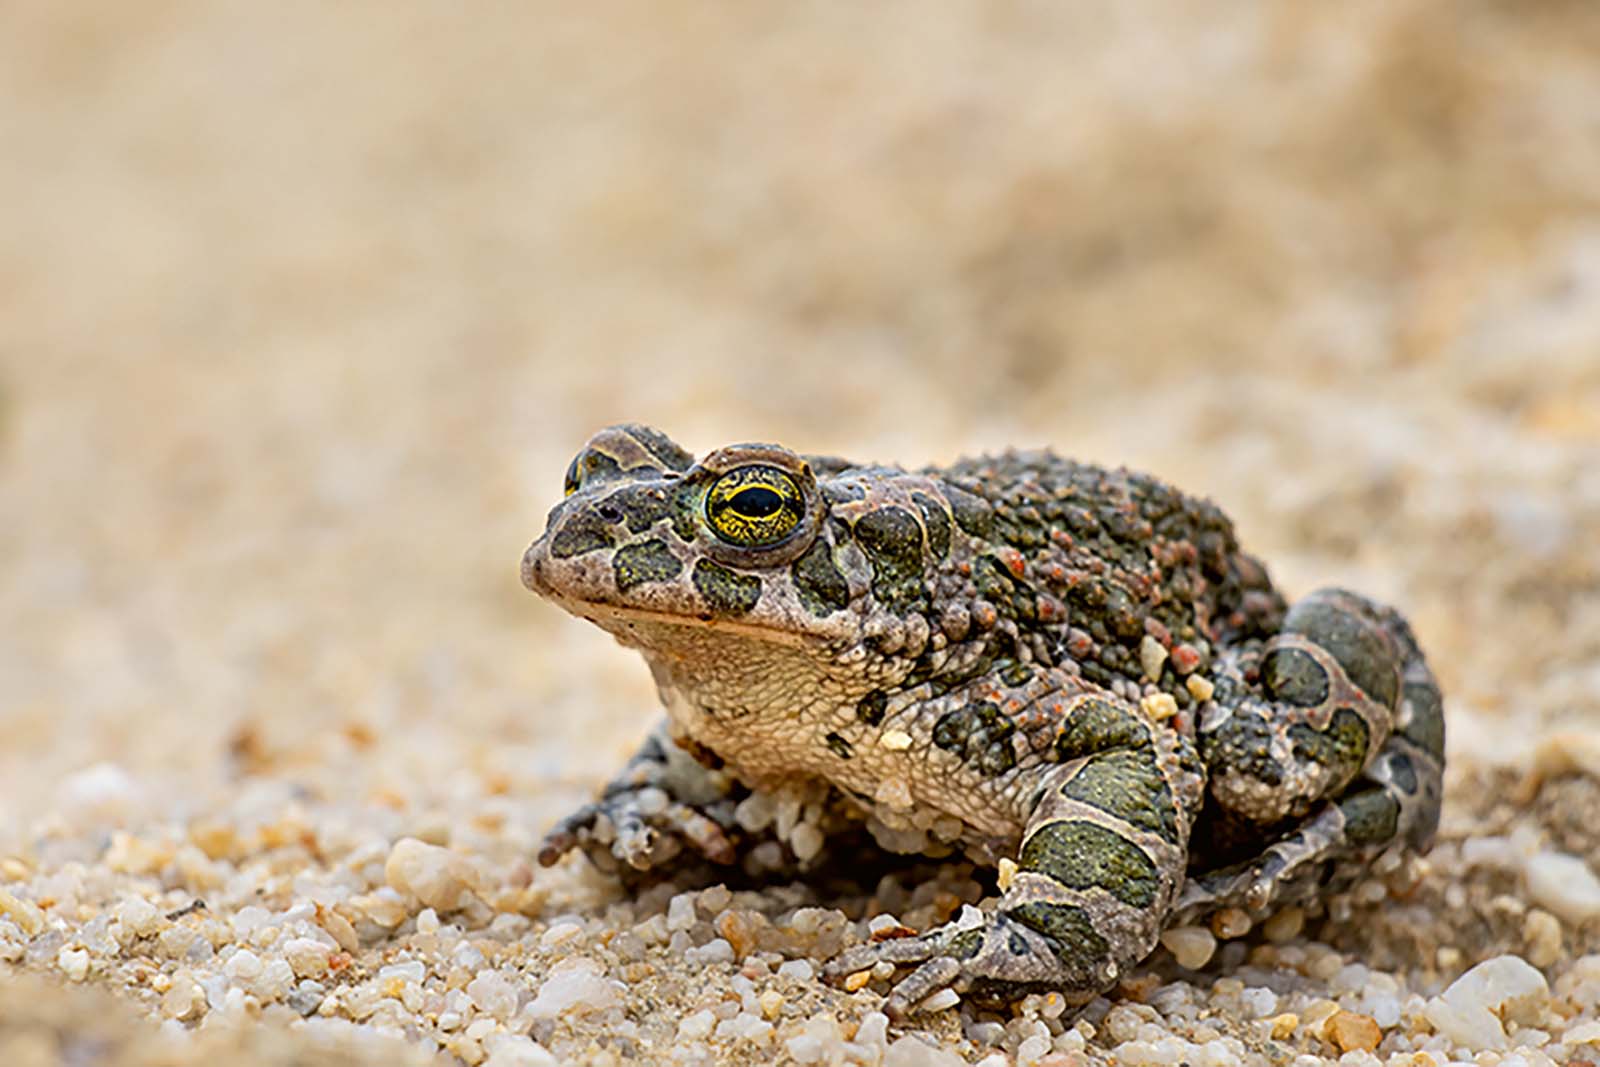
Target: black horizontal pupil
{"x":756,"y":502}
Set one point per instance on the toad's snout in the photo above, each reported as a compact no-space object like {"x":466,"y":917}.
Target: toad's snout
{"x":533,"y":566}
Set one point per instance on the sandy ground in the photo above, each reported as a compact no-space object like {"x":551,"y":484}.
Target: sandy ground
{"x":304,"y":308}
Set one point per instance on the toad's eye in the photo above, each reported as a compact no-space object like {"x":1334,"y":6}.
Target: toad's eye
{"x":754,"y":506}
{"x":574,"y":472}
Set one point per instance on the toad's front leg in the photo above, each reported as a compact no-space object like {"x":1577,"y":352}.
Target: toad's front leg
{"x":1102,"y":859}
{"x":660,"y":802}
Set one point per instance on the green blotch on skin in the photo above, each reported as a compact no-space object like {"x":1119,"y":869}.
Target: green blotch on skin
{"x":1370,"y":818}
{"x":1243,"y":745}
{"x":648,"y":561}
{"x":993,"y":581}
{"x":839,"y":745}
{"x":643,"y":506}
{"x":823,"y":590}
{"x":966,"y":944}
{"x":1014,"y":674}
{"x":1079,"y":945}
{"x":937,"y":523}
{"x":1426,"y":728}
{"x":580,"y":534}
{"x":1081,"y":855}
{"x":1094,"y":725}
{"x":871,"y":707}
{"x":1342,"y":746}
{"x":972,"y":513}
{"x":728,"y":592}
{"x":1127,"y":783}
{"x":980,"y":735}
{"x":685,"y":509}
{"x":1368,"y":659}
{"x":892,"y":539}
{"x":1293,"y":676}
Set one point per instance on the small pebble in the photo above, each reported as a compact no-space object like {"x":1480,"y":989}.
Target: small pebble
{"x":806,"y":841}
{"x":181,"y":1000}
{"x":857,"y":980}
{"x":435,"y":876}
{"x":1284,"y":925}
{"x":1152,"y":657}
{"x":714,"y":951}
{"x":559,"y":933}
{"x":1032,"y":1049}
{"x":910,"y":1051}
{"x":895,"y":740}
{"x":1191,"y":946}
{"x":1466,"y":1011}
{"x":515,"y":1050}
{"x":1160,"y":706}
{"x":1259,"y":1001}
{"x":1349,"y":1032}
{"x":1563,"y":885}
{"x":25,"y":913}
{"x":745,"y":1027}
{"x":755,"y":812}
{"x":874,"y":1030}
{"x":713,"y":900}
{"x":680,"y":912}
{"x":1230,"y":923}
{"x":798,"y":970}
{"x":493,"y":994}
{"x":575,"y":983}
{"x":74,"y":963}
{"x":1007,"y":873}
{"x":882,"y":923}
{"x":138,"y":917}
{"x":307,"y":956}
{"x":242,"y":965}
{"x":1541,"y":932}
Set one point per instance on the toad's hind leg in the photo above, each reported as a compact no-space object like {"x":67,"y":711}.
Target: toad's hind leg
{"x":1101,"y":861}
{"x":1352,"y":745}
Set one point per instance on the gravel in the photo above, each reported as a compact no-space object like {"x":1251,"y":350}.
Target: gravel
{"x":305,"y":312}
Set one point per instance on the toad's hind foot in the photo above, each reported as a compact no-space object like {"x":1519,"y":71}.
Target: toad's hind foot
{"x":988,"y":958}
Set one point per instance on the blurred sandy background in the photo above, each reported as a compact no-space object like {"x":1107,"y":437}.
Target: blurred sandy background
{"x":304,"y":308}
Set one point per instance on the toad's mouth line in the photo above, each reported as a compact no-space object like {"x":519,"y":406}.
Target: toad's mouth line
{"x":601,"y":613}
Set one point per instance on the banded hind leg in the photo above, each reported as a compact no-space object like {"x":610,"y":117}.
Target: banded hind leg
{"x":1101,"y":860}
{"x":1333,"y":750}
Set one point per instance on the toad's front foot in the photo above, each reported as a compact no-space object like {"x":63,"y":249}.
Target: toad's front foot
{"x":662,"y":809}
{"x":990,"y":958}
{"x":642,"y":828}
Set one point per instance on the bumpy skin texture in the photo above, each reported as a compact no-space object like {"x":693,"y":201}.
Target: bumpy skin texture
{"x":1069,"y":672}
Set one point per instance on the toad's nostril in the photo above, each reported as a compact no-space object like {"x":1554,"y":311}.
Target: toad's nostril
{"x":609,"y":512}
{"x":531,"y":576}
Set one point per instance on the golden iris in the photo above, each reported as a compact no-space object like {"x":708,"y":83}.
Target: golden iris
{"x":754,"y":506}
